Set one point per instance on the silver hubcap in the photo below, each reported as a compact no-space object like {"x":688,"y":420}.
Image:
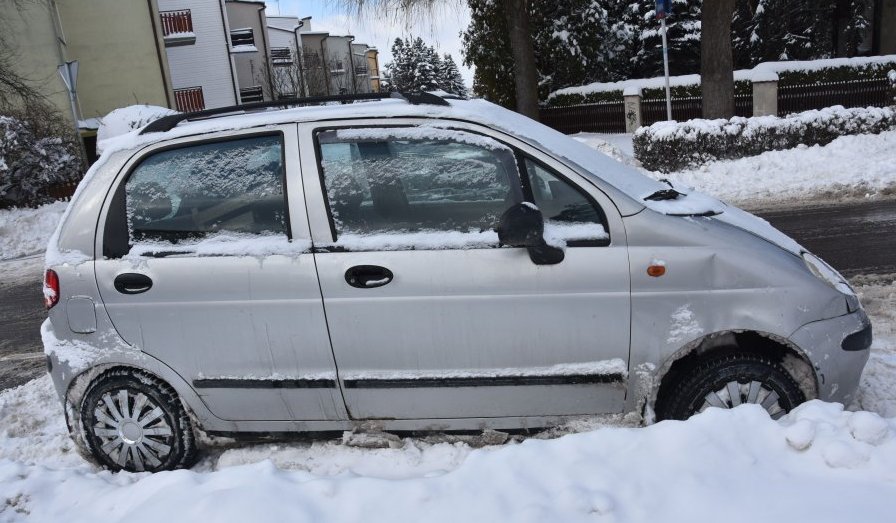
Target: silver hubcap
{"x":133,"y":429}
{"x":734,"y":394}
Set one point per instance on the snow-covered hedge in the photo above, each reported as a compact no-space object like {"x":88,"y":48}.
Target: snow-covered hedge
{"x":672,"y":146}
{"x":32,"y":159}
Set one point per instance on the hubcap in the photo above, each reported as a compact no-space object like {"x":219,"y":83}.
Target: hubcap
{"x":733,"y":394}
{"x":133,"y":429}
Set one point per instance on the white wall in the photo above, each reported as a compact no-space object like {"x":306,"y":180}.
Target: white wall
{"x":205,"y":63}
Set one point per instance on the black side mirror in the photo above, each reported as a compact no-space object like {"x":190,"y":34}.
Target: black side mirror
{"x":523,"y":226}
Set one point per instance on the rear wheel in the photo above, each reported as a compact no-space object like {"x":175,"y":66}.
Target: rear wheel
{"x":729,"y":381}
{"x":134,"y":421}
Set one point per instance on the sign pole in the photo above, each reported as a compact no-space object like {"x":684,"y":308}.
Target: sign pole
{"x":666,"y":68}
{"x":664,"y":9}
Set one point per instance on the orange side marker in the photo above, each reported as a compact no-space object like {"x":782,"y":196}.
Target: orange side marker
{"x":656,"y":270}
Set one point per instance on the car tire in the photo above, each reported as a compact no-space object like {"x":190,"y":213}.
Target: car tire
{"x":133,"y":421}
{"x":729,"y":381}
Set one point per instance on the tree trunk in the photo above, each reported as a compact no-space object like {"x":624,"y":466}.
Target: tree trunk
{"x":716,"y":60}
{"x":525,"y":77}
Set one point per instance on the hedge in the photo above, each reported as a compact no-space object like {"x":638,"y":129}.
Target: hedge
{"x":672,"y":146}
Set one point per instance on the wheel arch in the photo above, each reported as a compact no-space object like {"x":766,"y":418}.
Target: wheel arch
{"x":781,"y":350}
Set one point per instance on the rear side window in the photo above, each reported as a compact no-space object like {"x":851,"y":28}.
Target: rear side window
{"x":234,"y":186}
{"x":395,"y":188}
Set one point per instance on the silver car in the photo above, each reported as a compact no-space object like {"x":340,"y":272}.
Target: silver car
{"x":414,"y":264}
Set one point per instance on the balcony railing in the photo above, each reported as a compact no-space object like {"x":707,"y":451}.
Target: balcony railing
{"x":176,"y":22}
{"x":189,"y":99}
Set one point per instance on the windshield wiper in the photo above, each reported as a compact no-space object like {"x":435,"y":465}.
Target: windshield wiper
{"x":664,"y":194}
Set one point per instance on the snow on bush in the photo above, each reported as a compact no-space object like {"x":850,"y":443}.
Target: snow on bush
{"x":31,"y":161}
{"x":26,"y":231}
{"x":672,"y":146}
{"x":126,"y":119}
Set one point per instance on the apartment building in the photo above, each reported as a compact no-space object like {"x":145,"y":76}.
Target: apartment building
{"x":121,"y":63}
{"x":197,"y":41}
{"x":249,"y":49}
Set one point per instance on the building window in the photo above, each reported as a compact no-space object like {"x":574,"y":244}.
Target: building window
{"x":281,"y":56}
{"x":240,"y":37}
{"x":177,"y":27}
{"x":189,"y":99}
{"x":251,"y":94}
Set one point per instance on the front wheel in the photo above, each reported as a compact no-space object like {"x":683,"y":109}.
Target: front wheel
{"x":134,"y":421}
{"x":729,"y":381}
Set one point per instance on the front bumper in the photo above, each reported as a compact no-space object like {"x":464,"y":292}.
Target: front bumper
{"x":838,"y":370}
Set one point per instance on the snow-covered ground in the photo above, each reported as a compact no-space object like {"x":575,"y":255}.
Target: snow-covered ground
{"x":820,"y":463}
{"x":26,"y":231}
{"x":850,"y":167}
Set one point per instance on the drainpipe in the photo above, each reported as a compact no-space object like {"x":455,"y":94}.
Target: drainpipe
{"x":236,"y":89}
{"x":351,"y":65}
{"x":326,"y":68}
{"x":300,"y":57}
{"x":266,"y":53}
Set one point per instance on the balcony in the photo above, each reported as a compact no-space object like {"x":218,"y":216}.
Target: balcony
{"x":177,"y":27}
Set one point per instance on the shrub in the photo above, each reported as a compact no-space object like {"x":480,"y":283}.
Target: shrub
{"x":34,"y":156}
{"x":672,"y":146}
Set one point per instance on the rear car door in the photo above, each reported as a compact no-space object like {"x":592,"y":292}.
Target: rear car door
{"x":428,"y":316}
{"x":207,"y":267}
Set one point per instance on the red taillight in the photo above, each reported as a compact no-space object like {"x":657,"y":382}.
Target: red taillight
{"x":51,"y":288}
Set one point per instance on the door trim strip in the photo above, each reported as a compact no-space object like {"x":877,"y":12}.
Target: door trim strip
{"x":485,"y":381}
{"x":237,"y":383}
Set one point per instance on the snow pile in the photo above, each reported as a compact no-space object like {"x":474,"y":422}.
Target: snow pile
{"x":125,"y":120}
{"x":817,"y":464}
{"x":26,"y":231}
{"x":849,"y":166}
{"x":877,"y":391}
{"x":670,"y":146}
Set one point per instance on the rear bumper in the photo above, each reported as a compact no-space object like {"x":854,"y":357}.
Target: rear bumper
{"x":838,"y":348}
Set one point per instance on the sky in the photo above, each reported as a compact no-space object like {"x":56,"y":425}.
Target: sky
{"x":440,"y":29}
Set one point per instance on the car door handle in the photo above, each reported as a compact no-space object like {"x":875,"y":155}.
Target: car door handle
{"x":368,"y":276}
{"x":132,"y":283}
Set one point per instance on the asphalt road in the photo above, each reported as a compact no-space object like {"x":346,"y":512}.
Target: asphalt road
{"x":855,"y":238}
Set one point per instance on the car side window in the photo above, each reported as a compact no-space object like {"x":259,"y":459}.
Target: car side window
{"x":188,"y":192}
{"x":416,"y":187}
{"x":567,"y":210}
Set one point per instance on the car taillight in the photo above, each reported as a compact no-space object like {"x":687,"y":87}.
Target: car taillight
{"x":51,"y":288}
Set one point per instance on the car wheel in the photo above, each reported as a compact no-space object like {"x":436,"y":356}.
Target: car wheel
{"x":729,"y":381}
{"x":134,"y":421}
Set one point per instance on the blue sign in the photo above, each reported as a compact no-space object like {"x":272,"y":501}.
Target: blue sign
{"x":663,"y":9}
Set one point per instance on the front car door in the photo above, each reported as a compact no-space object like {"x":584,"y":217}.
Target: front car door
{"x":428,"y":316}
{"x":207,"y":267}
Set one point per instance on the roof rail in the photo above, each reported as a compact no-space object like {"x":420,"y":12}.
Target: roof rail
{"x":166,"y":123}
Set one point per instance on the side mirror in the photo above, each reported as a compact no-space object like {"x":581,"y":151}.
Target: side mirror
{"x":523,"y":226}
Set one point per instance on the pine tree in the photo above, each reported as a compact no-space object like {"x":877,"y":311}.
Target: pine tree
{"x":451,"y":79}
{"x":414,"y":66}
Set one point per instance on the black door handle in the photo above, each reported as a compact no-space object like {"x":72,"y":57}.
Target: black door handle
{"x":368,"y":276}
{"x":132,"y":283}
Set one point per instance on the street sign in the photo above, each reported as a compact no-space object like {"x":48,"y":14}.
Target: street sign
{"x":69,"y":73}
{"x":663,"y":9}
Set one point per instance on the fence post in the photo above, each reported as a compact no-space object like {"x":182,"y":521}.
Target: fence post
{"x":765,"y":96}
{"x":632,"y":99}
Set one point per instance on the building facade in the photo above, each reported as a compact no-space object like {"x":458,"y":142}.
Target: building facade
{"x":49,"y":33}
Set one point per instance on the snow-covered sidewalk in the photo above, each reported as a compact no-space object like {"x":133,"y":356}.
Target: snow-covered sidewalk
{"x":850,"y":167}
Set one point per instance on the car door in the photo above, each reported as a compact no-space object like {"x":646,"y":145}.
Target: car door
{"x":207,"y":267}
{"x":428,"y":316}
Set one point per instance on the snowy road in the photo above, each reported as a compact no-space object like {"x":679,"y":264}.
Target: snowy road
{"x":856,"y":238}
